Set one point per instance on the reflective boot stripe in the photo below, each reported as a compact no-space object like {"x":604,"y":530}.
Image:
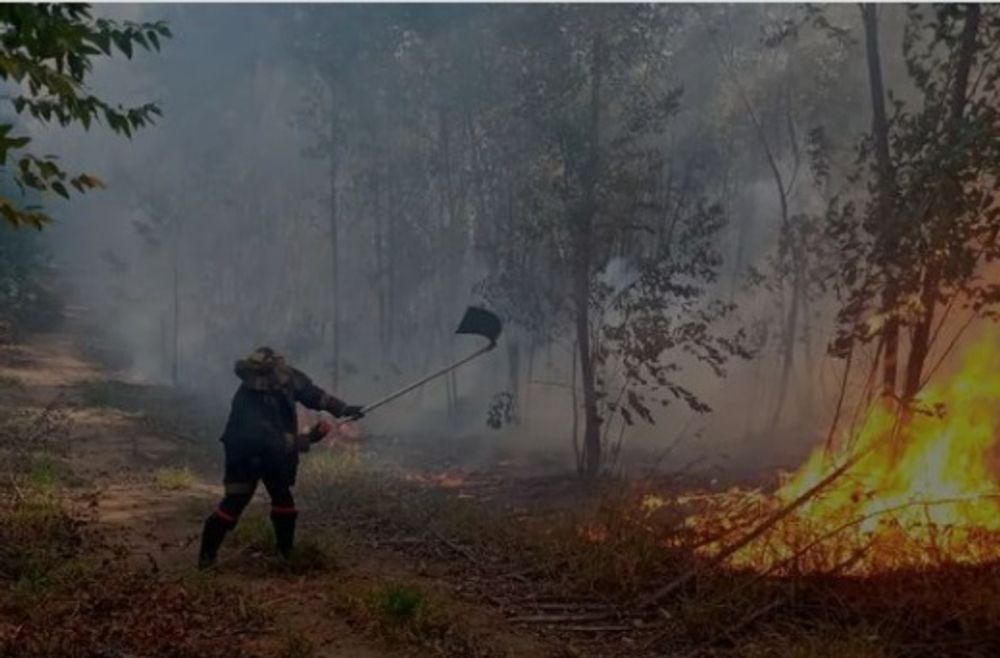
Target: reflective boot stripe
{"x":279,"y":509}
{"x":228,"y":518}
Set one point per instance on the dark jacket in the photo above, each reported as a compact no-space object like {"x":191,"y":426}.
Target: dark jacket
{"x":262,"y":419}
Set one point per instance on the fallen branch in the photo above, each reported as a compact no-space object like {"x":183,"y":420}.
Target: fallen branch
{"x":753,"y":535}
{"x":735,"y":628}
{"x":596,"y":629}
{"x":455,"y":547}
{"x":571,"y":605}
{"x":17,"y":489}
{"x":856,"y":522}
{"x":556,"y":619}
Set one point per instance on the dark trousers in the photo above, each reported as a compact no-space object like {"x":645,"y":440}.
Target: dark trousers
{"x":243,"y":473}
{"x":241,"y":478}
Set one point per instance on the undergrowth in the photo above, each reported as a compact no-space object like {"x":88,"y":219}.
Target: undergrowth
{"x":65,"y":592}
{"x":314,"y":550}
{"x":399,"y":612}
{"x":174,"y":478}
{"x":614,"y":549}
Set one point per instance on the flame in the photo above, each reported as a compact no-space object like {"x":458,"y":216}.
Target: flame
{"x":443,"y":479}
{"x":347,"y":433}
{"x":594,"y":533}
{"x":915,"y":497}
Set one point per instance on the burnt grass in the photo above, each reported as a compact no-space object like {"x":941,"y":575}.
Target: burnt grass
{"x":573,"y":565}
{"x":65,"y":591}
{"x":582,"y":573}
{"x":69,"y":590}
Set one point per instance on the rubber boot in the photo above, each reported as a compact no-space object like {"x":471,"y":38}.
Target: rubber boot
{"x":284,"y":532}
{"x":211,"y":539}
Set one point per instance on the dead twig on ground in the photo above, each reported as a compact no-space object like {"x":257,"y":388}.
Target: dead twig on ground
{"x":557,"y":619}
{"x":735,"y":628}
{"x":461,"y":550}
{"x":752,"y":536}
{"x":17,"y":489}
{"x":596,"y":629}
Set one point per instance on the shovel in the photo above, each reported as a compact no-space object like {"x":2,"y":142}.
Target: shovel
{"x":477,"y":322}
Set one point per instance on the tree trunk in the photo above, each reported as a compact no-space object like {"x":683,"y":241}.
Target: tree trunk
{"x":175,"y":367}
{"x":591,"y":417}
{"x":577,"y":454}
{"x":380,"y":264}
{"x":788,"y":355}
{"x":450,"y":268}
{"x":886,"y":196}
{"x":592,"y":456}
{"x":165,"y":353}
{"x":525,"y":402}
{"x":920,"y":340}
{"x":334,"y":267}
{"x":391,"y":242}
{"x":920,"y":343}
{"x":514,"y":377}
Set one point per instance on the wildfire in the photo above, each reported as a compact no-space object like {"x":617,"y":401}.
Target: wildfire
{"x":347,"y":433}
{"x":593,"y":532}
{"x":918,"y":496}
{"x":444,"y":479}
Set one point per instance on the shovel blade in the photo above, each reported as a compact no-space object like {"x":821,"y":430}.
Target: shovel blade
{"x":480,"y":322}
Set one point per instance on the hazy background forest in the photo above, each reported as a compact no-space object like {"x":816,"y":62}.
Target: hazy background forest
{"x":341,"y":181}
{"x":744,"y":255}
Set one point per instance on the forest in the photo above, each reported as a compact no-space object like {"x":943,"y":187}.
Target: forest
{"x":741,"y":394}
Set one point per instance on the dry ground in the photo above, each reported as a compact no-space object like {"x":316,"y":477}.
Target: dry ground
{"x":113,"y":462}
{"x":106,"y":483}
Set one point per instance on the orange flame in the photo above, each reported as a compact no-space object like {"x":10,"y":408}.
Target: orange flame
{"x":916,"y":497}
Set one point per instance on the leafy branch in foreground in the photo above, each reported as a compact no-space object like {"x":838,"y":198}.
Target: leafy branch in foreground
{"x":46,"y":53}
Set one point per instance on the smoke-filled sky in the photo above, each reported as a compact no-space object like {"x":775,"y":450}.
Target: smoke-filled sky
{"x":227,"y":200}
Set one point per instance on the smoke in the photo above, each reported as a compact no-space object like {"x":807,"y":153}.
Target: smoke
{"x":214,"y":235}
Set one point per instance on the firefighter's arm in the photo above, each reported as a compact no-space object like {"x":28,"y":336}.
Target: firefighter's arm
{"x":304,"y":441}
{"x":312,"y":396}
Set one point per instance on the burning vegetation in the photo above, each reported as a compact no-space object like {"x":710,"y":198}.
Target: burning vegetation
{"x":683,"y":216}
{"x":918,"y":490}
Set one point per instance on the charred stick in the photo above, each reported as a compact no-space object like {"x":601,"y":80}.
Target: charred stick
{"x":753,"y":535}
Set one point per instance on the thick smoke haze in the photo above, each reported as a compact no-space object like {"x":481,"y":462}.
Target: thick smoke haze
{"x":225,"y":203}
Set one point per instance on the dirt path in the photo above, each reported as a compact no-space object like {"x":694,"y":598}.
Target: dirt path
{"x":116,"y":461}
{"x":129,"y":478}
{"x":110,"y":453}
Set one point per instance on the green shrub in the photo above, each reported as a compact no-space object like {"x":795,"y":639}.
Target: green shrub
{"x":45,"y":472}
{"x":254,"y":532}
{"x":174,"y":479}
{"x":399,"y":603}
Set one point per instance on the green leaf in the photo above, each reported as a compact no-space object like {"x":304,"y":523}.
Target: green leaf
{"x":103,"y":41}
{"x":124,"y":43}
{"x":90,"y":182}
{"x":17,"y":142}
{"x":49,"y":51}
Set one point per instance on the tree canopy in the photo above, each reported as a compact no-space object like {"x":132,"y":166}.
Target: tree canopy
{"x":47,"y":53}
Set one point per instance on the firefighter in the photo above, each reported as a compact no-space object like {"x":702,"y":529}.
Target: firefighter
{"x":262,"y":444}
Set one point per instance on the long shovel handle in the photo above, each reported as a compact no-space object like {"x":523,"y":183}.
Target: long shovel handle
{"x":417,"y":384}
{"x":421,"y":382}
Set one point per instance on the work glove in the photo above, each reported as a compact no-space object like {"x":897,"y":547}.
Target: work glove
{"x":318,"y":431}
{"x":316,"y":434}
{"x":352,"y":411}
